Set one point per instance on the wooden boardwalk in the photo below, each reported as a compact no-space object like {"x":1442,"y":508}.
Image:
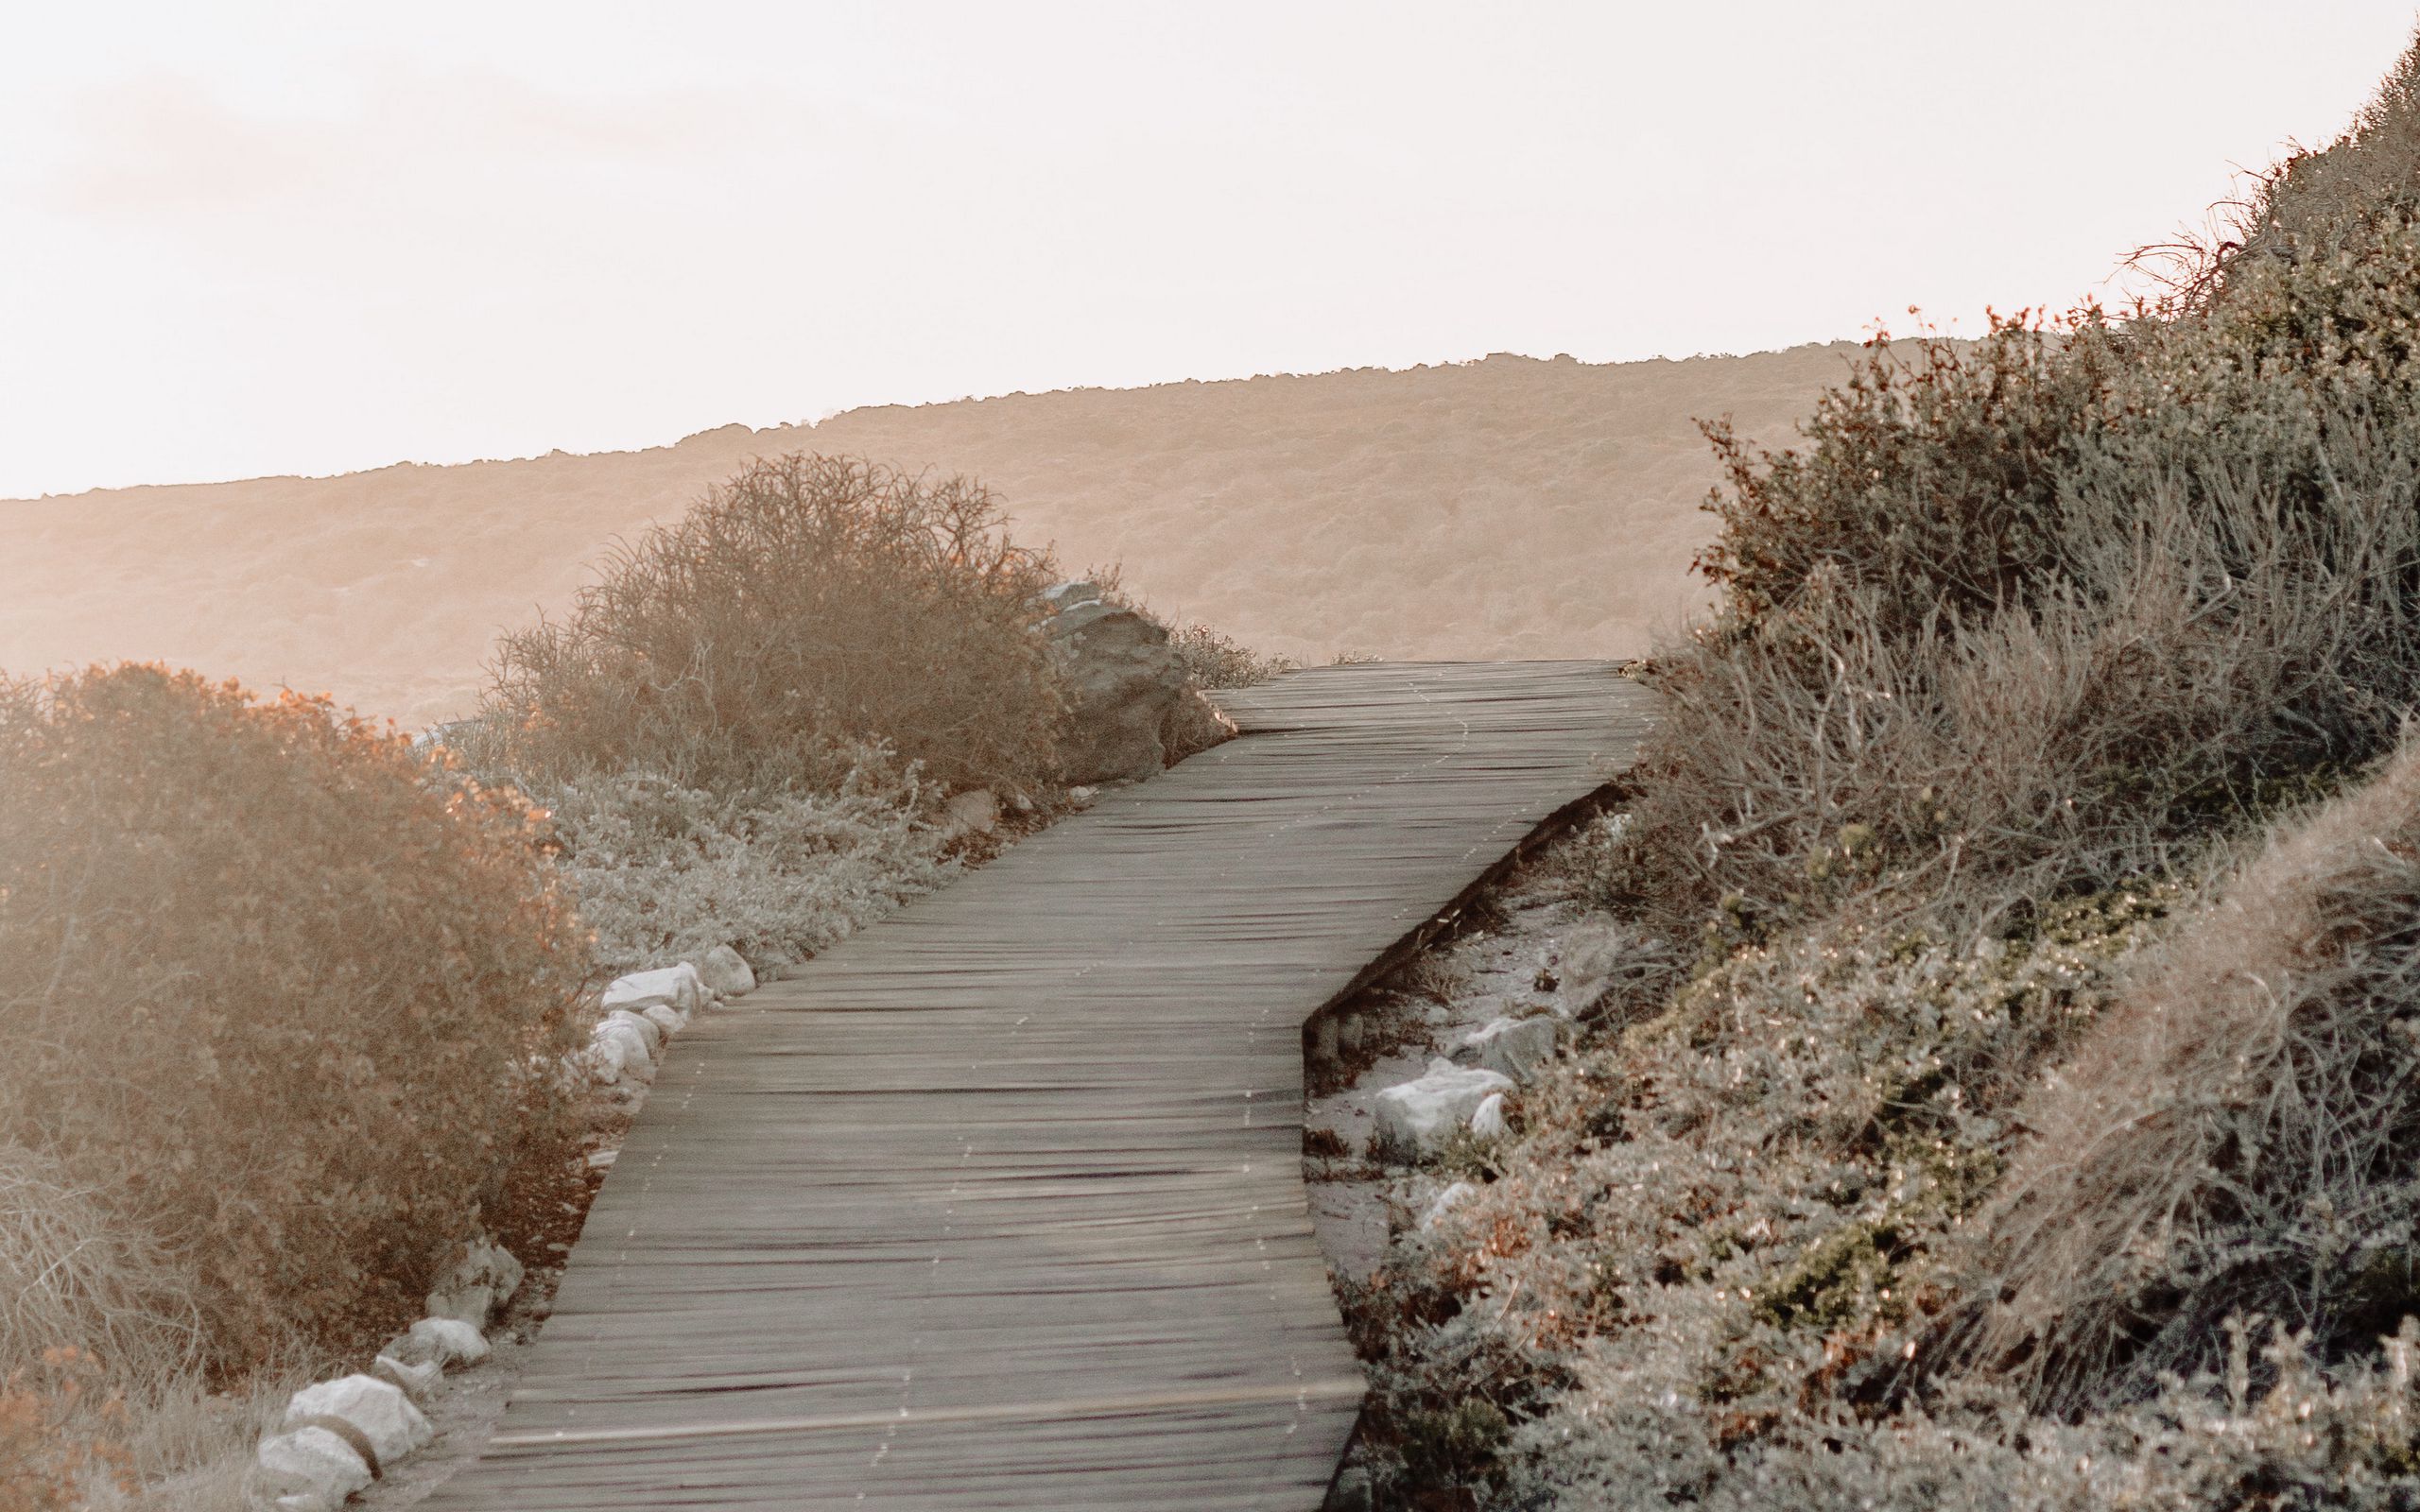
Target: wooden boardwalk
{"x":1000,"y":1204}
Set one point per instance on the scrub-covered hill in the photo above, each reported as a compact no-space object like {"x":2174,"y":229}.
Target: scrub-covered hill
{"x":1508,"y":508}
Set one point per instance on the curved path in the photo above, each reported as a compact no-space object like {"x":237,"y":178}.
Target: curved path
{"x":1000,"y":1204}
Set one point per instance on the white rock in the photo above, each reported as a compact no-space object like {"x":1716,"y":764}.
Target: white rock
{"x":1593,"y":950}
{"x":1447,"y":1201}
{"x":483,"y":1279}
{"x":378,"y":1410}
{"x":444,"y":1342}
{"x":306,"y":1502}
{"x":975,"y":813}
{"x":1414,"y":1120}
{"x":1511,"y":1047}
{"x":672,"y":1021}
{"x":1487,"y":1121}
{"x":725,"y":970}
{"x":619,"y":1048}
{"x":420,"y":1382}
{"x":680,"y":986}
{"x":314,"y":1463}
{"x":649,"y":1029}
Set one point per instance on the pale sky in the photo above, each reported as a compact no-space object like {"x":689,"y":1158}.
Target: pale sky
{"x":240,"y":238}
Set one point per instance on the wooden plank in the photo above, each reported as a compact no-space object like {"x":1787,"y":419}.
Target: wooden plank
{"x":1000,"y":1203}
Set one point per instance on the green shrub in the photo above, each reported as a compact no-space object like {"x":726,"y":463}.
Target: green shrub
{"x":806,"y":607}
{"x":282,"y":993}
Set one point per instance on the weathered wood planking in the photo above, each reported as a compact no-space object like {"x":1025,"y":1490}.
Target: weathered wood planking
{"x":1000,"y":1204}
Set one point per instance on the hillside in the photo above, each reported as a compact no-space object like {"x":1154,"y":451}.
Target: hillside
{"x":1508,"y":508}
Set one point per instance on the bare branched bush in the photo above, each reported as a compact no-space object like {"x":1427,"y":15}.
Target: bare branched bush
{"x":1213,"y":659}
{"x":808,"y":606}
{"x":284,"y":995}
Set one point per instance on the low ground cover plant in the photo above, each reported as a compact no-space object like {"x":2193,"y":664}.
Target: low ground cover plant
{"x":665,"y":872}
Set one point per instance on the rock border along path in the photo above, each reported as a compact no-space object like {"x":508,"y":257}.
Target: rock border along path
{"x":1000,"y":1204}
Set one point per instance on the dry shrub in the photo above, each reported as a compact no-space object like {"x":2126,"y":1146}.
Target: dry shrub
{"x":2241,"y":1135}
{"x":2029,"y":684}
{"x":72,"y":1276}
{"x":1213,"y":659}
{"x":284,"y":993}
{"x":808,"y":606}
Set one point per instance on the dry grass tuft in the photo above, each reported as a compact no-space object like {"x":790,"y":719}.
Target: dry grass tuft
{"x":74,"y":1275}
{"x":2238,"y":1136}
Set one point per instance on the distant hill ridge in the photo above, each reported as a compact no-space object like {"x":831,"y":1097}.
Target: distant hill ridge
{"x":1506,"y":507}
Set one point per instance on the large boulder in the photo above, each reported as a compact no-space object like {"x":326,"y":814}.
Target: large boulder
{"x":1126,"y":686}
{"x":1415,"y":1120}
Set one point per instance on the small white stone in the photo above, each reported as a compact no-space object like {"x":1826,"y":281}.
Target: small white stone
{"x":1488,"y":1121}
{"x":1512,"y":1047}
{"x":672,"y":1021}
{"x":1447,"y":1201}
{"x":1414,"y":1120}
{"x":726,"y":972}
{"x":680,"y":986}
{"x":444,"y":1341}
{"x":419,"y":1382}
{"x":378,"y":1410}
{"x":311,"y":1462}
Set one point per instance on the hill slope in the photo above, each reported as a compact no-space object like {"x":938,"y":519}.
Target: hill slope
{"x":1510,"y":507}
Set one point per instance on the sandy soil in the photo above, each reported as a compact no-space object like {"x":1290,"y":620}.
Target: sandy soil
{"x":1356,"y":1205}
{"x":1510,"y":507}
